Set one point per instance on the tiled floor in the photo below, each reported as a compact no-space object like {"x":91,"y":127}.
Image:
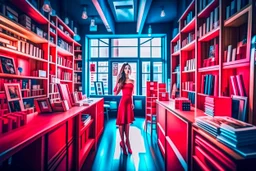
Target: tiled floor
{"x":109,"y":157}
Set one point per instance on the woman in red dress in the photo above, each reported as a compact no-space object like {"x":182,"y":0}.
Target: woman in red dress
{"x":125,"y":114}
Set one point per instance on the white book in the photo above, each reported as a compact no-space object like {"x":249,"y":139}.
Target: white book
{"x":229,"y":53}
{"x":234,"y":54}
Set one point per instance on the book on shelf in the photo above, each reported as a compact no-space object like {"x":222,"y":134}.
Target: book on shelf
{"x":208,"y":84}
{"x":213,"y":106}
{"x":237,"y":86}
{"x":190,"y":65}
{"x":85,"y":118}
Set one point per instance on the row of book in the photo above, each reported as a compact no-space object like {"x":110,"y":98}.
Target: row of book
{"x":53,"y":88}
{"x":237,"y":53}
{"x":191,"y":97}
{"x":64,"y":75}
{"x":182,"y":103}
{"x":214,"y":106}
{"x":21,"y":46}
{"x":64,"y":45}
{"x":78,"y":56}
{"x":211,"y":23}
{"x":10,"y":13}
{"x":209,"y":84}
{"x":203,"y":4}
{"x":64,"y":61}
{"x":77,"y":78}
{"x":190,"y":38}
{"x":237,"y":85}
{"x":177,"y":46}
{"x":190,"y":65}
{"x":39,"y":73}
{"x":235,"y":6}
{"x":24,"y":84}
{"x":188,"y":85}
{"x":78,"y":66}
{"x":237,"y":135}
{"x":213,"y":56}
{"x":189,"y":17}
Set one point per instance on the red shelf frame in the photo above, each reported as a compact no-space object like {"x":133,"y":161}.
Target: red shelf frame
{"x":207,"y":10}
{"x":63,"y":51}
{"x":190,"y":26}
{"x":23,"y":55}
{"x":20,"y":30}
{"x":209,"y":69}
{"x":177,"y":53}
{"x":64,"y":36}
{"x":176,"y":38}
{"x":30,"y":10}
{"x":189,"y":46}
{"x":189,"y":8}
{"x":236,"y":64}
{"x":211,"y":35}
{"x":238,"y":18}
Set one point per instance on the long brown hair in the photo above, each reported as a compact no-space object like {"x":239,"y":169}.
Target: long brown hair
{"x":121,"y":75}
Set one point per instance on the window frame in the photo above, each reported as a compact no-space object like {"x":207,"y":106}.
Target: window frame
{"x":138,"y":60}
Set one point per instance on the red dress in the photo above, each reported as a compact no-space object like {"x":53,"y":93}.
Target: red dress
{"x":125,"y":114}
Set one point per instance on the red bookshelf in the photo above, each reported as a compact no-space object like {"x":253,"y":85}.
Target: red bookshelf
{"x":222,"y":51}
{"x":151,"y":97}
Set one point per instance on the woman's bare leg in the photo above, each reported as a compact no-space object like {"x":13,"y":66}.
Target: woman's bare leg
{"x":127,"y":131}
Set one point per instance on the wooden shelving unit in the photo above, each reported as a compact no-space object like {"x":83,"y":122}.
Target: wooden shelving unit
{"x":215,"y":34}
{"x":222,"y":50}
{"x":78,"y":68}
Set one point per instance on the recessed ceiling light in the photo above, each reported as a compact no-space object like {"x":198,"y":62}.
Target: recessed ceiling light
{"x":47,"y":6}
{"x":162,"y":13}
{"x":84,"y":14}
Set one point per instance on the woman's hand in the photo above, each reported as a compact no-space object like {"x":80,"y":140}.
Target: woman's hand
{"x":132,"y":106}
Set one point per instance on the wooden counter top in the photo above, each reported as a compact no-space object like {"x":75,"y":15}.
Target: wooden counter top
{"x":186,"y":115}
{"x":40,"y":125}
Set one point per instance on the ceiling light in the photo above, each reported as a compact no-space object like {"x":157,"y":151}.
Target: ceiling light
{"x":76,"y":36}
{"x":162,"y":13}
{"x":84,"y":14}
{"x":92,"y":22}
{"x":47,"y":6}
{"x":149,"y":30}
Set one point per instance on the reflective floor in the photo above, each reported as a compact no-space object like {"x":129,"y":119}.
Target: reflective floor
{"x":109,"y":157}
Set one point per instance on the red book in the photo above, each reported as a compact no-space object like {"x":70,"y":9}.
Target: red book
{"x":234,"y":85}
{"x":240,"y":84}
{"x":225,"y":56}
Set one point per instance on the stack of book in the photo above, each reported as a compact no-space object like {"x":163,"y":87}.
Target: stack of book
{"x":214,"y":106}
{"x":182,"y":103}
{"x":210,"y":124}
{"x":239,"y":136}
{"x":85,"y":118}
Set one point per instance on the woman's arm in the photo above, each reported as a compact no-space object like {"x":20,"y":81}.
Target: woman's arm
{"x":116,"y":89}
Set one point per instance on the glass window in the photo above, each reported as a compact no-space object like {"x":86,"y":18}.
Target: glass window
{"x":145,"y":52}
{"x":103,"y":52}
{"x":145,"y":41}
{"x":145,"y":67}
{"x":94,"y":52}
{"x":104,"y":42}
{"x":125,"y":52}
{"x":156,"y":42}
{"x":157,"y":67}
{"x":93,"y":78}
{"x":156,"y":52}
{"x":125,"y":42}
{"x":158,"y":78}
{"x":94,"y":42}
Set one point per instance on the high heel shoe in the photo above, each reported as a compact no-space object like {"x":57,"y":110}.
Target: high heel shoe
{"x":123,"y":147}
{"x":129,"y":147}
